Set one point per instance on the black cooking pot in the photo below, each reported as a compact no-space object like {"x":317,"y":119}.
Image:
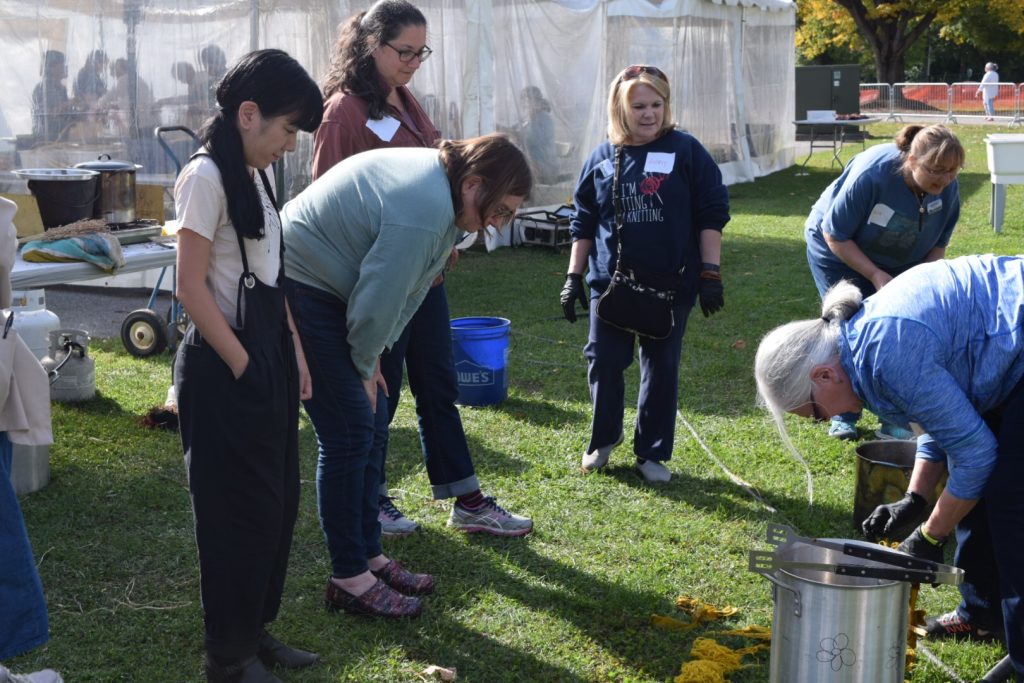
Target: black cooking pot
{"x":116,"y":203}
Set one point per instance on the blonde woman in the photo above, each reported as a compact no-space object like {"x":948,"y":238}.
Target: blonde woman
{"x":653,"y":196}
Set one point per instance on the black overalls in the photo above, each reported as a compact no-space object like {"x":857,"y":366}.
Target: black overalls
{"x":240,"y":439}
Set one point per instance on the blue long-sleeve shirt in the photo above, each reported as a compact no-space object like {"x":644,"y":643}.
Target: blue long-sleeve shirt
{"x":670,"y":190}
{"x":939,"y":346}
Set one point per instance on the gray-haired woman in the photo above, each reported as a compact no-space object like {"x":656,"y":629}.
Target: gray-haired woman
{"x":940,"y":351}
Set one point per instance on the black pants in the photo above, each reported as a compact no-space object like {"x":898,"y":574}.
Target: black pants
{"x":240,"y":439}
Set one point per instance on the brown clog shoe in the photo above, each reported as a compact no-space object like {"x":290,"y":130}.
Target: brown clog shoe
{"x":403,"y":581}
{"x":380,"y":601}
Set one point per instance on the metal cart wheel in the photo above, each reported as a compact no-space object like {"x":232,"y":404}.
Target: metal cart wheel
{"x":144,"y":333}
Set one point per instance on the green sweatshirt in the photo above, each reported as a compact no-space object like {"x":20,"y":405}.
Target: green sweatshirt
{"x":375,"y":231}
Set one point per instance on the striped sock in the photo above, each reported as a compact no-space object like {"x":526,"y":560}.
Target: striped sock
{"x":471,"y":501}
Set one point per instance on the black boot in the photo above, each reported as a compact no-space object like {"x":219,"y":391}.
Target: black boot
{"x":249,"y":670}
{"x":275,"y":653}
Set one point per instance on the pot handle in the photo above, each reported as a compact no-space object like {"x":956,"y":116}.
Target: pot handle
{"x":895,"y":558}
{"x":908,"y":575}
{"x":761,"y":562}
{"x":101,"y":157}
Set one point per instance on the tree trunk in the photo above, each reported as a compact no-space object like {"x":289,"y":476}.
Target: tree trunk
{"x":889,"y":37}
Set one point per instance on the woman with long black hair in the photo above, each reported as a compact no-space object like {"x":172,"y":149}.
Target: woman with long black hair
{"x":240,"y":371}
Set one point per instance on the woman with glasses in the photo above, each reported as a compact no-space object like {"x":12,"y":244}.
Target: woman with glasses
{"x":939,"y":350}
{"x":894,"y":206}
{"x":652,"y":196}
{"x":369,"y":106}
{"x":365,"y":241}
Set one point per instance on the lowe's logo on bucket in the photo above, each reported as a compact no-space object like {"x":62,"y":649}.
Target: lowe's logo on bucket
{"x":472,"y":374}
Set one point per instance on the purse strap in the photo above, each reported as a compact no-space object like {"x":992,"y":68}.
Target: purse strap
{"x":617,"y":206}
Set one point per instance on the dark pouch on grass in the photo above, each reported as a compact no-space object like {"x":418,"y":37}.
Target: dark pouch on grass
{"x":637,"y":303}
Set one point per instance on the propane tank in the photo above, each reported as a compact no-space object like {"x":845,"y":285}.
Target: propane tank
{"x":32,"y":321}
{"x":72,"y":372}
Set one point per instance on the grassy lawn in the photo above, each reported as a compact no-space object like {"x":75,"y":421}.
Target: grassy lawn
{"x":571,"y":602}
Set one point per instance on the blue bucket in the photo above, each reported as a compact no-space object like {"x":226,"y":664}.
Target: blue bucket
{"x":480,"y":352}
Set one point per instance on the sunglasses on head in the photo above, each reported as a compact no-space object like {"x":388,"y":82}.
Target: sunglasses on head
{"x":631,"y":72}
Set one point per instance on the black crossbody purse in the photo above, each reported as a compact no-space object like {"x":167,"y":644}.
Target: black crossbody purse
{"x":635,"y":301}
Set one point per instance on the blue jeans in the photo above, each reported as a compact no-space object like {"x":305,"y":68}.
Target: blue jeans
{"x":990,"y":539}
{"x":350,"y":433}
{"x":609,"y":351}
{"x":426,"y":348}
{"x":23,"y":618}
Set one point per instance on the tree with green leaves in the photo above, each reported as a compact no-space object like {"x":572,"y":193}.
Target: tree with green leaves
{"x":890,"y":28}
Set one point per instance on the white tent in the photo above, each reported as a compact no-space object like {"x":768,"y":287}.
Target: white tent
{"x":731,"y":64}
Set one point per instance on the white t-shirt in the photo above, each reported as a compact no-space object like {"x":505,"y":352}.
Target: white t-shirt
{"x":989,"y":85}
{"x":201,"y":206}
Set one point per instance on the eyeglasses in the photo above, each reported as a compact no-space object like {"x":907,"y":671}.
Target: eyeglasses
{"x":816,"y":410}
{"x":503,"y":214}
{"x":407,"y":56}
{"x":941,"y":172}
{"x":631,"y":72}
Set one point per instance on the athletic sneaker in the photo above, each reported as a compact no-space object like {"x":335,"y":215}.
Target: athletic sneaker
{"x":44,"y":676}
{"x":841,"y":429}
{"x":890,"y":432}
{"x":490,"y":518}
{"x":953,"y":626}
{"x":598,"y":457}
{"x":392,"y":521}
{"x":652,"y":471}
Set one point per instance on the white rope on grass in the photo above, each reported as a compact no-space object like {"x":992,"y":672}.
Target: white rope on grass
{"x":939,"y":663}
{"x":746,"y":486}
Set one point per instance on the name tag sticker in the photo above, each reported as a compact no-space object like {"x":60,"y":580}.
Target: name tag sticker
{"x":660,"y":162}
{"x":384,"y":128}
{"x":606,"y":168}
{"x":881,"y":215}
{"x":935,"y":206}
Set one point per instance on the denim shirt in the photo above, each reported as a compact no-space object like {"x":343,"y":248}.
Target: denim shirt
{"x":939,"y":346}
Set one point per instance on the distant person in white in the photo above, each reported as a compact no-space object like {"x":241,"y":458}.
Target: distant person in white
{"x":988,"y":89}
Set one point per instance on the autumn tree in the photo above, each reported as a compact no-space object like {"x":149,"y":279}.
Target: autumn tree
{"x":889,"y":28}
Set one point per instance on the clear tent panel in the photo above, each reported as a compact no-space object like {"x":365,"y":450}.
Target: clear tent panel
{"x":497,"y":65}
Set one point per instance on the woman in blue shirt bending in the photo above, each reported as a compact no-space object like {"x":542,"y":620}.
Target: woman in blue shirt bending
{"x":893,"y":207}
{"x":941,"y":352}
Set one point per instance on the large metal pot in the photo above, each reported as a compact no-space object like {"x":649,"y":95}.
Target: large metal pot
{"x":883,"y":476}
{"x":116,"y":203}
{"x":64,"y":195}
{"x":841,"y":607}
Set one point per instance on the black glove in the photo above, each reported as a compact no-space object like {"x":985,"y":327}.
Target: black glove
{"x":918,"y":545}
{"x":710,"y":289}
{"x":571,"y":293}
{"x":904,"y":512}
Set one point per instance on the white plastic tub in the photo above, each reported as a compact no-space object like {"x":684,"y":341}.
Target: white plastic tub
{"x":1006,"y":157}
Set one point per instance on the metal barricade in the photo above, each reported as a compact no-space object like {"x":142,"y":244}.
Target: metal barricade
{"x":876,"y":98}
{"x":921,"y":100}
{"x":966,"y":99}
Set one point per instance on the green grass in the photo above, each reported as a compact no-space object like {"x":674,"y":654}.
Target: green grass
{"x":113,"y":530}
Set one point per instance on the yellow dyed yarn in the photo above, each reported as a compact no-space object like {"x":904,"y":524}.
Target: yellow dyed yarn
{"x":700,"y":613}
{"x":670,"y":624}
{"x":711,"y":661}
{"x":754,"y":631}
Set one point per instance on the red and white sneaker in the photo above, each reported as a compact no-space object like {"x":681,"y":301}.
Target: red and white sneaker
{"x":952,"y":626}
